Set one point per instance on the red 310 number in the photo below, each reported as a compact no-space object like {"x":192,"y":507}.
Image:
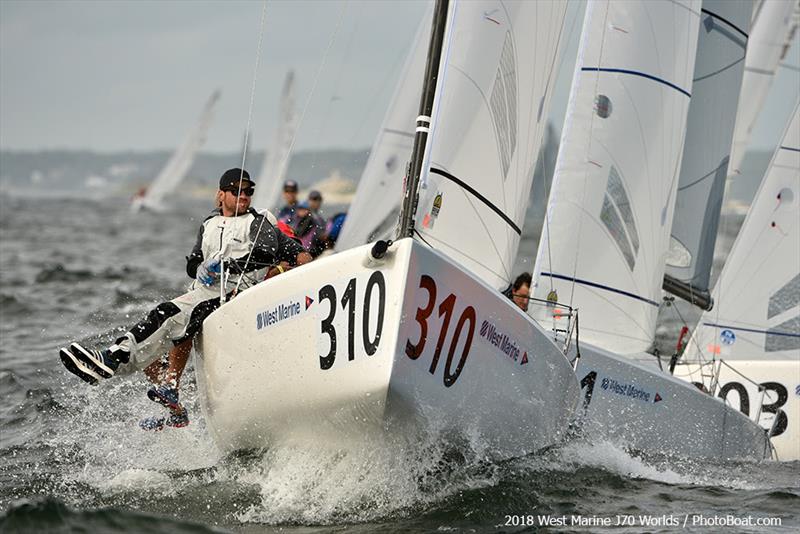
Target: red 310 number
{"x":415,"y":350}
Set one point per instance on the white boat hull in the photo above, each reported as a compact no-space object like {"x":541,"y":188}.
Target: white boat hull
{"x":641,"y":407}
{"x":289,"y":359}
{"x":782,"y":381}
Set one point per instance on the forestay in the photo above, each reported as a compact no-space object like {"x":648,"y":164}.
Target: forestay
{"x":718,"y":69}
{"x":606,"y":235}
{"x":181,"y":161}
{"x":773,"y":26}
{"x":276,"y":160}
{"x":494,"y":87}
{"x":374,"y":210}
{"x":757,"y":311}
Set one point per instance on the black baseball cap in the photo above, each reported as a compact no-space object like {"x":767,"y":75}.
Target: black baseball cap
{"x":230,"y":179}
{"x":290,"y":185}
{"x":315,"y":195}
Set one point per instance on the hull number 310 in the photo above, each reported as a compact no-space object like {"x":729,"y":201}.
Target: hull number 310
{"x":376,"y":283}
{"x":414,"y":349}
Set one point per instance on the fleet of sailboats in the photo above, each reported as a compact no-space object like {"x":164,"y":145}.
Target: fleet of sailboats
{"x":430,"y":341}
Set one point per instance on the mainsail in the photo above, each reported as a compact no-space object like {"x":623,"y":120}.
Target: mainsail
{"x":181,"y":161}
{"x":276,"y":160}
{"x":757,"y":311}
{"x":494,"y":88}
{"x":718,"y":69}
{"x":374,"y":210}
{"x":773,"y":27}
{"x":606,"y":235}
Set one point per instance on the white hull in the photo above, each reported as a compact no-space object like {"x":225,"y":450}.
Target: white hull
{"x":280,"y":377}
{"x":782,"y":380}
{"x":638,"y":406}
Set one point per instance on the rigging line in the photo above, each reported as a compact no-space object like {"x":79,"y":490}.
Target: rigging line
{"x":486,"y":229}
{"x":299,"y":122}
{"x":590,"y":133}
{"x":726,"y":21}
{"x":252,"y":99}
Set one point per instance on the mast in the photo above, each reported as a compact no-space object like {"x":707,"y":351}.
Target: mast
{"x":411,"y":193}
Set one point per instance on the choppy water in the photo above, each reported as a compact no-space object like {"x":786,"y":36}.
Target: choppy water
{"x":72,"y":458}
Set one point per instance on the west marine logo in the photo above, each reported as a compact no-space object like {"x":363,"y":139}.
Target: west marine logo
{"x":500,"y":340}
{"x":279,"y":313}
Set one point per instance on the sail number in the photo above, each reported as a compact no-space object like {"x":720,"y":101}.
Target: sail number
{"x":415,"y":349}
{"x":780,"y":394}
{"x":376,"y":283}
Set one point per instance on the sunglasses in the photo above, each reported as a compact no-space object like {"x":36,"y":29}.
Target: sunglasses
{"x":248,"y":192}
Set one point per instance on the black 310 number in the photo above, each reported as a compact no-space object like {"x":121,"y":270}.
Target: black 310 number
{"x":328,"y":293}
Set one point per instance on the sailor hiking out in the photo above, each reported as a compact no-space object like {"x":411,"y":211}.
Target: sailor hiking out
{"x":236,"y":246}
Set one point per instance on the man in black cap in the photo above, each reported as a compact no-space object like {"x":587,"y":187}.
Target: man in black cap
{"x":286,"y":213}
{"x":233,"y":243}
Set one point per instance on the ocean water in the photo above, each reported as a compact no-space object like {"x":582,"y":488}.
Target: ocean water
{"x":72,"y":458}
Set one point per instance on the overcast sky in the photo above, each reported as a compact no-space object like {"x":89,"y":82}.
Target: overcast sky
{"x":120,"y":75}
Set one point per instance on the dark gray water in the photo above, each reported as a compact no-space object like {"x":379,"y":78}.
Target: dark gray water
{"x":72,"y":457}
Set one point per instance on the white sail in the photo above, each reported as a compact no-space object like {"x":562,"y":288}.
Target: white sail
{"x":757,"y":296}
{"x":374,"y":210}
{"x":718,"y":70}
{"x":486,"y":131}
{"x":771,"y":34}
{"x":181,"y":161}
{"x":276,"y":160}
{"x":611,"y":204}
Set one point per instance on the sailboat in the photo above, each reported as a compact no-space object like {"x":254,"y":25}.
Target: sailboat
{"x":276,"y":159}
{"x":374,"y":211}
{"x":747,"y":349}
{"x":415,"y":331}
{"x":178,"y":165}
{"x":718,"y":73}
{"x":607,"y":231}
{"x":773,"y":28}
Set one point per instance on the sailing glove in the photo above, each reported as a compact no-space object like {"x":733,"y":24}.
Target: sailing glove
{"x":208,"y":271}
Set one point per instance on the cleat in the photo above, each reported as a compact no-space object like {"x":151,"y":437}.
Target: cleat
{"x":99,"y":361}
{"x":166,"y":396}
{"x":77,"y":367}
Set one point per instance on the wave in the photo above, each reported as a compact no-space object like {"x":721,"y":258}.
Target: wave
{"x":60,"y":273}
{"x":50,"y":515}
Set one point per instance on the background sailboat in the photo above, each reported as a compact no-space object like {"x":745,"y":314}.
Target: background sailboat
{"x":608,"y":225}
{"x":755,"y":323}
{"x":717,"y":80}
{"x":276,"y":160}
{"x":179,"y":164}
{"x":375,"y":208}
{"x":773,"y":27}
